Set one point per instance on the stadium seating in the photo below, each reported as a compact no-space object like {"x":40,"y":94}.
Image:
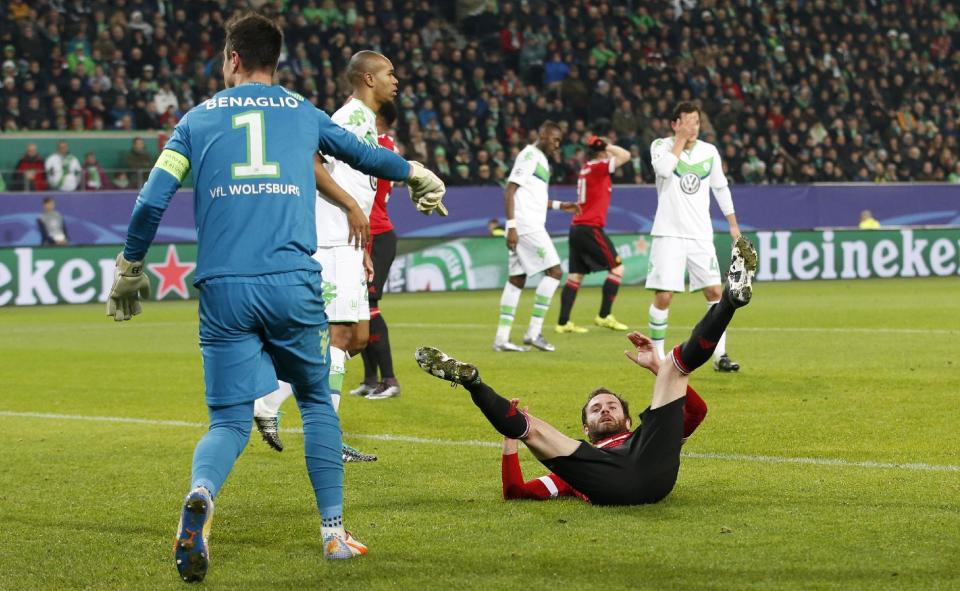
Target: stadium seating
{"x":792,"y":92}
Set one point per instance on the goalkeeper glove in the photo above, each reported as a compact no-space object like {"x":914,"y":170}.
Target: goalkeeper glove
{"x":426,"y":190}
{"x":129,"y":287}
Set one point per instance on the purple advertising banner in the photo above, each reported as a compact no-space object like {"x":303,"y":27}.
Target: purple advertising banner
{"x":101,"y":218}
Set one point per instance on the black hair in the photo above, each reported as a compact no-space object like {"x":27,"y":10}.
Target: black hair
{"x":683,"y":108}
{"x":256,"y":39}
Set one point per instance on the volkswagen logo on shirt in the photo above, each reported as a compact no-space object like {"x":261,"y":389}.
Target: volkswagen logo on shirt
{"x":690,"y":183}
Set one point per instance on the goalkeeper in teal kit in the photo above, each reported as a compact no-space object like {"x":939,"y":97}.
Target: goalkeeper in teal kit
{"x":251,"y":150}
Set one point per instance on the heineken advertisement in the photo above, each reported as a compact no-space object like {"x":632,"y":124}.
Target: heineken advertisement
{"x":75,"y":275}
{"x":80,"y":275}
{"x":481,"y":263}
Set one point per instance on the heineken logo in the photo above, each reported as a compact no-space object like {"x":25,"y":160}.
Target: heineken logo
{"x":786,"y":255}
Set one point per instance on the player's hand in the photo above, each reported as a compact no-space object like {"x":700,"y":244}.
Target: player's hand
{"x":130,"y":286}
{"x":644,"y":353}
{"x":359,"y":233}
{"x":570,"y":207}
{"x":512,"y":239}
{"x":426,"y":190}
{"x":368,"y":266}
{"x":734,"y":231}
{"x":596,"y":142}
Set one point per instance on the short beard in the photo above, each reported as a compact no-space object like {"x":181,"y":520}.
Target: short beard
{"x":603,"y":430}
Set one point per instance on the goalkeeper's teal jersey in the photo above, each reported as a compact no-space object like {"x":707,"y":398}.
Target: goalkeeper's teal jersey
{"x":250,"y":149}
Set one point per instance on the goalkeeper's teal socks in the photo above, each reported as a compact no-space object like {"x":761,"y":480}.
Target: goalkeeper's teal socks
{"x":502,"y":414}
{"x":219,"y":448}
{"x":322,"y":445}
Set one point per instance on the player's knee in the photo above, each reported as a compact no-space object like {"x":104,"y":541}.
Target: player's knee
{"x":618,"y":270}
{"x":555,"y":272}
{"x":712,"y":293}
{"x":662,"y":299}
{"x":358,"y":344}
{"x":340,"y":336}
{"x":518,"y":280}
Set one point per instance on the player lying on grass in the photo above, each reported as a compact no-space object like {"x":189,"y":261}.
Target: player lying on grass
{"x":642,"y":467}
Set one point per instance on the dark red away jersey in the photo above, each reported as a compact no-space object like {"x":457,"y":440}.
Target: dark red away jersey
{"x":379,"y":218}
{"x":593,"y":193}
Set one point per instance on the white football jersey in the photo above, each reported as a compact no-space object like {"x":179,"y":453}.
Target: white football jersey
{"x":531,"y":172}
{"x":683,"y":189}
{"x":332,"y":227}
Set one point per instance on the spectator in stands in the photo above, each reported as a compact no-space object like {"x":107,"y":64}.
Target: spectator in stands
{"x":94,"y":178}
{"x":867,"y":221}
{"x":853,"y":90}
{"x":30,"y":174}
{"x":63,"y":169}
{"x":53,"y":230}
{"x":138,"y":161}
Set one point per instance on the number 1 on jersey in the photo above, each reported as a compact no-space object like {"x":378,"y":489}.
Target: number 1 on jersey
{"x":256,"y":148}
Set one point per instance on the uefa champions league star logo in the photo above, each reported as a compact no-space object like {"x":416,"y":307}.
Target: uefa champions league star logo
{"x":690,"y":183}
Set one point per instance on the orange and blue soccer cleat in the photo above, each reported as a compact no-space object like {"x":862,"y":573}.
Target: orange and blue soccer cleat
{"x":336,"y":547}
{"x":191,"y":549}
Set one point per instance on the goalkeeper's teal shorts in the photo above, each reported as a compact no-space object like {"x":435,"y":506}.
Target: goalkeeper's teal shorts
{"x":254,"y":330}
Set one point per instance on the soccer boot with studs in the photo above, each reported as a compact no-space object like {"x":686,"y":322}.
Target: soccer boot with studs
{"x":437,"y":363}
{"x":724,"y":364}
{"x":610,"y":322}
{"x":539,"y":342}
{"x":743,"y":266}
{"x":191,"y":548}
{"x":342,"y":547}
{"x":570,"y":327}
{"x":364,"y":389}
{"x":384,"y":391}
{"x":352,"y":454}
{"x":269,"y":428}
{"x":508,"y":347}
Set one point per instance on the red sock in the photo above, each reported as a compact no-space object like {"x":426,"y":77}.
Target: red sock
{"x":694,"y":411}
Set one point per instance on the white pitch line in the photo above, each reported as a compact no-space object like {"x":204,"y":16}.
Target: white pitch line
{"x":146,"y":326}
{"x":827,"y":329}
{"x":912,"y":466}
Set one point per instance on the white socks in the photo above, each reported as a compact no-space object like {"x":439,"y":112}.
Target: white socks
{"x":658,"y":328}
{"x":338,"y":368}
{"x":508,"y":310}
{"x":269,"y":405}
{"x":545,"y":290}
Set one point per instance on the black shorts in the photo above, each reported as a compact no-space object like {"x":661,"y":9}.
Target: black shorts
{"x":591,"y":250}
{"x":640,"y":472}
{"x":383,"y":250}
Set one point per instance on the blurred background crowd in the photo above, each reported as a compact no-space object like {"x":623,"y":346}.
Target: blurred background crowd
{"x":792,"y":91}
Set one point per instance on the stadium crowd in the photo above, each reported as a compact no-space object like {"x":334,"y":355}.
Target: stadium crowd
{"x":792,"y":91}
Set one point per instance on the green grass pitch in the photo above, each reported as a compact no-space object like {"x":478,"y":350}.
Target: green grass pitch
{"x":862,"y":376}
